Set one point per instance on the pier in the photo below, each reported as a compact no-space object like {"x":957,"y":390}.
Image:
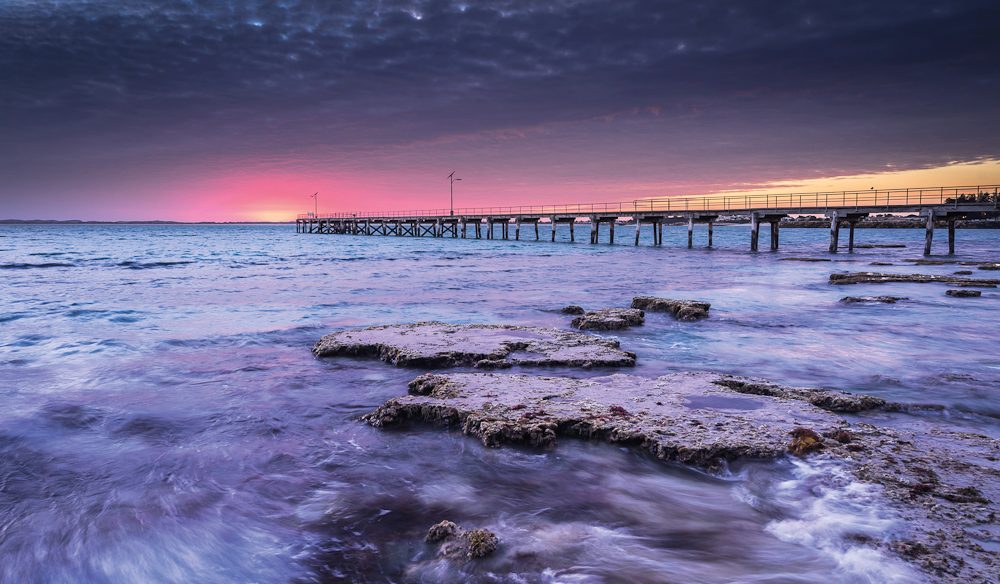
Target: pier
{"x":938,"y":206}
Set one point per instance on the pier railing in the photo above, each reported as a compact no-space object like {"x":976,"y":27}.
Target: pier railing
{"x":887,"y":199}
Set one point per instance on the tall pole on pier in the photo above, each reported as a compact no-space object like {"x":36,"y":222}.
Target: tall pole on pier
{"x":451,"y":189}
{"x":315,"y":198}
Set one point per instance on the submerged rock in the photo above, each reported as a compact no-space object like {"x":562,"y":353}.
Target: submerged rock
{"x":880,"y":278}
{"x":574,"y":309}
{"x":990,"y":266}
{"x":695,"y":418}
{"x":963,"y":273}
{"x":869,"y":299}
{"x":680,"y":309}
{"x":441,"y":531}
{"x":435,"y":344}
{"x":930,"y":262}
{"x":609,"y":319}
{"x":964,"y":293}
{"x":881,"y":264}
{"x":458,"y":543}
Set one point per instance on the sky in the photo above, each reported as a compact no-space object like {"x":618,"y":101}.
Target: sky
{"x":239,"y":110}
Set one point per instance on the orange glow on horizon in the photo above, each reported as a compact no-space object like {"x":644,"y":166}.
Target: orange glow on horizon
{"x":281,"y":195}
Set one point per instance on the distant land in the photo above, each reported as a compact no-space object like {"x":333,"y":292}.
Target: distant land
{"x":79,"y":222}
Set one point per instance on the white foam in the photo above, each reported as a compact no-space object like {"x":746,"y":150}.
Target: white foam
{"x":829,"y":510}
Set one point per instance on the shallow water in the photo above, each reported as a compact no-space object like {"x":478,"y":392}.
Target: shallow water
{"x":163,"y":419}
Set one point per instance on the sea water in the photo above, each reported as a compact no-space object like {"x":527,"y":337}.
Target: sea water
{"x":163,"y":420}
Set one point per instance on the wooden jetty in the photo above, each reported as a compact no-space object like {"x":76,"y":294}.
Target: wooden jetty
{"x":938,"y":205}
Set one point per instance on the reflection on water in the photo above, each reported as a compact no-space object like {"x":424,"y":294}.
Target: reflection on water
{"x":164,"y":421}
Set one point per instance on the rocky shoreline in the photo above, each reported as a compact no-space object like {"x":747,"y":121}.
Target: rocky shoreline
{"x":943,"y":485}
{"x":708,"y":420}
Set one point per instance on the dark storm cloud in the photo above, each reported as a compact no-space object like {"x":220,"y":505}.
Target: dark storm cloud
{"x":92,"y":83}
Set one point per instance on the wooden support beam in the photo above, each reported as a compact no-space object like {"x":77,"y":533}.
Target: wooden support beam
{"x":951,"y":236}
{"x":553,"y":225}
{"x":536,"y":230}
{"x":834,"y":231}
{"x":611,"y":235}
{"x":572,"y":236}
{"x":517,"y":230}
{"x":710,"y":224}
{"x":595,"y":227}
{"x":850,"y":236}
{"x":774,"y":234}
{"x":638,"y":229}
{"x":690,"y":231}
{"x":754,"y":231}
{"x":929,"y":234}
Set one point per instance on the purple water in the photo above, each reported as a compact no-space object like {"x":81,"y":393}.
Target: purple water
{"x":164,"y":421}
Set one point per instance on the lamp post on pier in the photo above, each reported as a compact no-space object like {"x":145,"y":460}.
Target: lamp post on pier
{"x":315,"y":198}
{"x":451,"y":189}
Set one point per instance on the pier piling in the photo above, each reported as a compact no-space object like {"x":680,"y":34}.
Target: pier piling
{"x":834,"y":231}
{"x":929,"y":233}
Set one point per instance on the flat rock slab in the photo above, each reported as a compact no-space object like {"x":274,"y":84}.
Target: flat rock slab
{"x":609,"y":319}
{"x":435,"y":344}
{"x":881,"y":278}
{"x":872,"y":299}
{"x":679,"y":309}
{"x":702,"y":419}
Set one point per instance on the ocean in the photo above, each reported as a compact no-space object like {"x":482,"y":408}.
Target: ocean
{"x":163,"y":418}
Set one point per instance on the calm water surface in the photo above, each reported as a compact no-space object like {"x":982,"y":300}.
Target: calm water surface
{"x":163,"y":420}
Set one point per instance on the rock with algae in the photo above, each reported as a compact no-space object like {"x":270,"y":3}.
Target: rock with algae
{"x":435,"y":344}
{"x":680,"y":309}
{"x":964,"y":293}
{"x":609,"y":319}
{"x":457,"y":543}
{"x":872,"y":299}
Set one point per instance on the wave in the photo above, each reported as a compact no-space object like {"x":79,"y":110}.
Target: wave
{"x":841,"y":518}
{"x":133,"y":265}
{"x":29,"y":266}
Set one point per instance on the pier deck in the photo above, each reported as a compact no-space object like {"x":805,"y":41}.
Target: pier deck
{"x":938,"y":205}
